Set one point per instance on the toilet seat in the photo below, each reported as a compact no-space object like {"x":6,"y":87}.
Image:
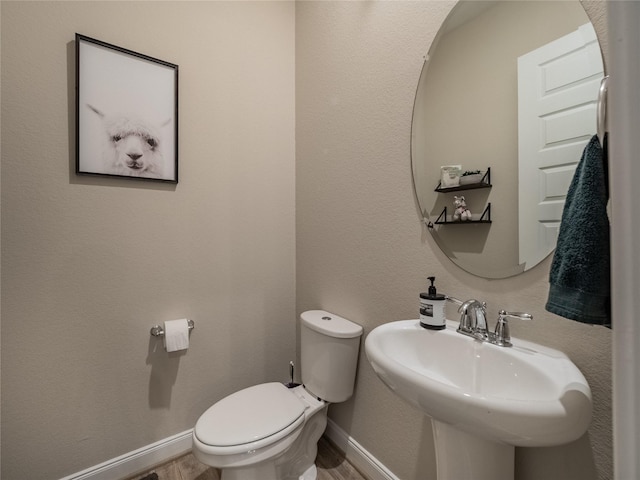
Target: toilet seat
{"x":250,"y":419}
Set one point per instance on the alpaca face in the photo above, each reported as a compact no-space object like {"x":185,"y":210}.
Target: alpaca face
{"x":135,"y":154}
{"x":132,"y":146}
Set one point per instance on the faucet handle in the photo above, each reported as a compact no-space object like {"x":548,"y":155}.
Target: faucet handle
{"x":503,"y":337}
{"x":454,"y":300}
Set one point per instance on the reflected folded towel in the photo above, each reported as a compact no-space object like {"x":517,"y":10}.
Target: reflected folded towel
{"x":580,"y":278}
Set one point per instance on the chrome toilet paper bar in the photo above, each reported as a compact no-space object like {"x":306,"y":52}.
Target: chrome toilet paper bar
{"x":158,"y":331}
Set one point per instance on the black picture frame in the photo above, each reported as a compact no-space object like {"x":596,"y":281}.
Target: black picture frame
{"x":126,"y":113}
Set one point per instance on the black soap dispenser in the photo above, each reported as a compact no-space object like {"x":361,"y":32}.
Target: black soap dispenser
{"x":432,"y":308}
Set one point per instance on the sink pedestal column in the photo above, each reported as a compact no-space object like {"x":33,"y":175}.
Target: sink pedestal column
{"x":463,"y":456}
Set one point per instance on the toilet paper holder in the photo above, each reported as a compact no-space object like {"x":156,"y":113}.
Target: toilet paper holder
{"x":158,"y":331}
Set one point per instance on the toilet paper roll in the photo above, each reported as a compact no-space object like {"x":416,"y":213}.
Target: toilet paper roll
{"x":176,"y":335}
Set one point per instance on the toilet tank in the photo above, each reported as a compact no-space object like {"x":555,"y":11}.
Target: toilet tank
{"x":329,"y":347}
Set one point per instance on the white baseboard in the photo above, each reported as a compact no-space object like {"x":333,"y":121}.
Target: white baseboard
{"x":360,"y":458}
{"x":160,"y":452}
{"x":139,"y":460}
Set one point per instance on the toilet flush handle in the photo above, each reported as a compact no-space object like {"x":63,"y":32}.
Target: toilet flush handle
{"x":291,"y":383}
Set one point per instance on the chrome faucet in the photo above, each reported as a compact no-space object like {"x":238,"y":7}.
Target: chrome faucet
{"x":473,"y":323}
{"x":473,"y":319}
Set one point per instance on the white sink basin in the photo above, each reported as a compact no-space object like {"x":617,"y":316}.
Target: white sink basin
{"x":526,"y":395}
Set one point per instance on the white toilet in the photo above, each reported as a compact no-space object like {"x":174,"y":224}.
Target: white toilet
{"x":271,"y":432}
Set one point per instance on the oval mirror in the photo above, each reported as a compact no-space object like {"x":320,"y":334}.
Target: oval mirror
{"x":509,"y":88}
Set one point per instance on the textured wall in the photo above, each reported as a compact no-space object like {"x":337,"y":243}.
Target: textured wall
{"x":361,"y":250}
{"x":78,"y":301}
{"x":89,"y":265}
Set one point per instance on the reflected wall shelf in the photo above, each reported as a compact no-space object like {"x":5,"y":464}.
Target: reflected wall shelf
{"x":485,"y":182}
{"x":484,"y":218}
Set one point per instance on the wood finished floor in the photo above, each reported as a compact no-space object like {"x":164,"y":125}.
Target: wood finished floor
{"x":331,"y":463}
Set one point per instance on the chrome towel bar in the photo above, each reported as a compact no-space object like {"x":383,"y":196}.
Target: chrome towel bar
{"x":601,"y":109}
{"x":158,"y":331}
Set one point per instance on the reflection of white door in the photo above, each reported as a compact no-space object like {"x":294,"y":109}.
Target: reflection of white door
{"x":557,"y":92}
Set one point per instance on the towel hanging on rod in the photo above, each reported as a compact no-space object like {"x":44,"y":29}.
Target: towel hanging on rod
{"x":601,"y":110}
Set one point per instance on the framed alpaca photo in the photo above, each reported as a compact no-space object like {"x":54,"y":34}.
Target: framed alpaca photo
{"x":126,"y":113}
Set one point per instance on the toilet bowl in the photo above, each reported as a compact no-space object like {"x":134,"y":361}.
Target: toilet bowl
{"x":271,"y":432}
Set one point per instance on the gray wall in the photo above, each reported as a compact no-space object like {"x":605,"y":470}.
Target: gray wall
{"x":89,"y":265}
{"x":361,"y":250}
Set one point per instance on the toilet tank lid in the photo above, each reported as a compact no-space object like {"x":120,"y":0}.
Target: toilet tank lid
{"x":330,"y":324}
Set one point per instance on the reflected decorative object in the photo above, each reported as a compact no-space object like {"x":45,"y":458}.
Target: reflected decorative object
{"x":450,"y":176}
{"x":471,"y":177}
{"x":461,"y":212}
{"x":126,"y":113}
{"x":467,"y":111}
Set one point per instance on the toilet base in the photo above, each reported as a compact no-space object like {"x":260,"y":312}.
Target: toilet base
{"x":298,"y":463}
{"x":266,"y":471}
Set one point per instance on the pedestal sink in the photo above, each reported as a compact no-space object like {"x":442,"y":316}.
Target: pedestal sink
{"x":483,"y":399}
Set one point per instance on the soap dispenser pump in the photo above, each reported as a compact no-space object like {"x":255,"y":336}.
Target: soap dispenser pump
{"x":432,"y":308}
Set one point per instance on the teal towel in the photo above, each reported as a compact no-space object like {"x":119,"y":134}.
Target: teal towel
{"x":579,"y":278}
